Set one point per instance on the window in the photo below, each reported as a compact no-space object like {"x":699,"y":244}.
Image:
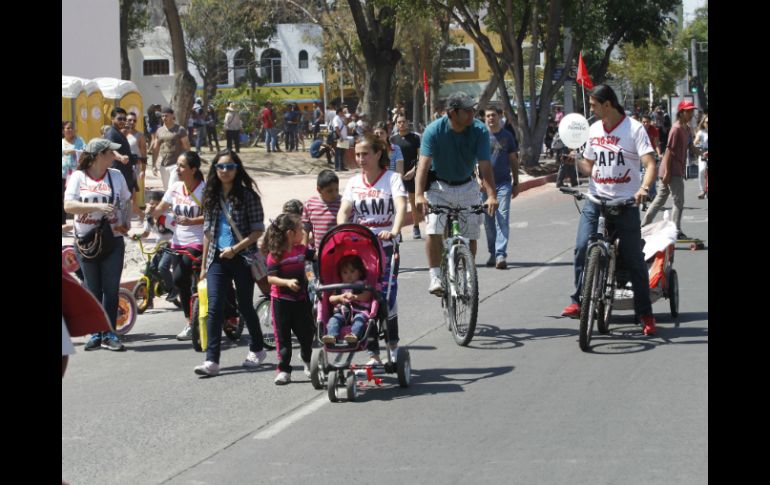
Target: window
{"x":222,"y":70}
{"x":243,"y":62}
{"x":270,"y":64}
{"x":155,"y":67}
{"x":303,"y":59}
{"x":459,"y":59}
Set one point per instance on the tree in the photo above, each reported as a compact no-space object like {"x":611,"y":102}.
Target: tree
{"x":663,"y":66}
{"x":699,"y":30}
{"x":134,"y":21}
{"x":184,"y":82}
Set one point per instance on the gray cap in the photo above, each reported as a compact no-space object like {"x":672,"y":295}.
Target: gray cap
{"x":98,"y":145}
{"x":460,"y":100}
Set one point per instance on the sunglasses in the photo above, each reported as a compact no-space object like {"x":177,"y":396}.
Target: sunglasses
{"x":121,"y":118}
{"x":226,"y":166}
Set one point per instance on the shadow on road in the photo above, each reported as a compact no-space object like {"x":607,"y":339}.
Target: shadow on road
{"x":490,"y":337}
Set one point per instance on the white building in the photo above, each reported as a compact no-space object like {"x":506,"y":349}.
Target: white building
{"x":289,"y":60}
{"x":89,"y":48}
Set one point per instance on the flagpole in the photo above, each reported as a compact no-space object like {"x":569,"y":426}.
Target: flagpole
{"x":585,"y":110}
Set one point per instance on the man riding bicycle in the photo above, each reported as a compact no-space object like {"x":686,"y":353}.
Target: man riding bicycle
{"x":450,"y":147}
{"x":616,"y":147}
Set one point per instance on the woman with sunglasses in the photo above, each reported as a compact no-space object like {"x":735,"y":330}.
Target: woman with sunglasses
{"x":95,"y":190}
{"x":170,"y":141}
{"x":229,"y":188}
{"x":138,"y":145}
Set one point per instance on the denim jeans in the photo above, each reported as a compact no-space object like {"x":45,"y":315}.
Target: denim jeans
{"x":392,"y":322}
{"x":103,"y":280}
{"x":496,"y":227}
{"x":220,"y":275}
{"x":164,"y":269}
{"x":629,"y":231}
{"x":200,"y":138}
{"x":337,"y":321}
{"x":271,"y":139}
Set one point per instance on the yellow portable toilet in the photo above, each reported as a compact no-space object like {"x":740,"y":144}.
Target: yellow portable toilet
{"x":74,"y":104}
{"x":95,"y":118}
{"x":123,"y":94}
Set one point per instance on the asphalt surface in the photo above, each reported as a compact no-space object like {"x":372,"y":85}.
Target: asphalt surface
{"x":520,"y":404}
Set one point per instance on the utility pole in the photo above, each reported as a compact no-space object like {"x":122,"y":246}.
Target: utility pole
{"x":693,"y":54}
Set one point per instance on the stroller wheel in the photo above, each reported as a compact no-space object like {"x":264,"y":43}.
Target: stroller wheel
{"x":350,"y":385}
{"x":317,"y":366}
{"x":331,"y":386}
{"x":404,"y":368}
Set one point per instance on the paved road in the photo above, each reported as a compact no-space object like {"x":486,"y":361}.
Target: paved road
{"x":521,"y":404}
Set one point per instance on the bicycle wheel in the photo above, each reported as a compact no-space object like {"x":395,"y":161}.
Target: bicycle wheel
{"x":143,"y":295}
{"x":465,"y":302}
{"x":127,"y":312}
{"x":196,"y":333}
{"x":265,"y":316}
{"x":673,"y":293}
{"x":591,"y":296}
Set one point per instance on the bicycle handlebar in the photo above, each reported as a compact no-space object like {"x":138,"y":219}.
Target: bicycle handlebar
{"x":597,"y":199}
{"x":445,"y":209}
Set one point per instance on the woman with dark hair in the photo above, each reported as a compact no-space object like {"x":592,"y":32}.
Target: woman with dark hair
{"x":394,"y":151}
{"x":71,"y":146}
{"x":94,"y":191}
{"x":233,"y":221}
{"x":376,"y":198}
{"x":183,"y":197}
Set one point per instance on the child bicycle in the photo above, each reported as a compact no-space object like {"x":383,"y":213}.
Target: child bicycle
{"x":151,"y":285}
{"x":459,"y":281}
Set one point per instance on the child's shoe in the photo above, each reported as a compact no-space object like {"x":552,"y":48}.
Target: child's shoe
{"x":329,"y":339}
{"x":351,"y":338}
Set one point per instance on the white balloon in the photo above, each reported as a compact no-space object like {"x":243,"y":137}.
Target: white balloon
{"x":573,"y":130}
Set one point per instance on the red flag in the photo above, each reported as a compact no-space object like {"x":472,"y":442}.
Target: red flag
{"x":582,"y":74}
{"x":425,"y":82}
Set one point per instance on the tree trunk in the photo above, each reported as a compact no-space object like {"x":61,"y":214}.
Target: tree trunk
{"x":125,"y":65}
{"x":184,"y":82}
{"x":378,"y":81}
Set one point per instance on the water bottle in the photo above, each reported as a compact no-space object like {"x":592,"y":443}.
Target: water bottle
{"x":455,"y":227}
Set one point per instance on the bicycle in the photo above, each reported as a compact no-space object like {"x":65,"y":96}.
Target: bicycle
{"x":127,"y":307}
{"x":151,"y":285}
{"x":599,"y":275}
{"x":459,"y":280}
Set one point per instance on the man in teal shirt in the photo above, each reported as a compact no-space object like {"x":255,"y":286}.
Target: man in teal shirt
{"x":451,"y":147}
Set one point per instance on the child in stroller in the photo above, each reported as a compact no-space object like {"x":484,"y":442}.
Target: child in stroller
{"x":352,"y":306}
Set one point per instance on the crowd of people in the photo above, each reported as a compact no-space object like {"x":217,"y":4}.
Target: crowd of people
{"x":219,"y":219}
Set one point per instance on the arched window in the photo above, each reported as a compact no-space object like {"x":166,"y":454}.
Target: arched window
{"x":241,"y":63}
{"x":270,"y":64}
{"x":222,"y":77}
{"x":303,"y":59}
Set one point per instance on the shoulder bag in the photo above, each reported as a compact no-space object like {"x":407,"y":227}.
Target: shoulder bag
{"x":98,"y":243}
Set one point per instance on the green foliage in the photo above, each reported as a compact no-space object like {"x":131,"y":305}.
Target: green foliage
{"x":660,"y":65}
{"x":248,"y":102}
{"x":138,"y":21}
{"x":699,"y":30}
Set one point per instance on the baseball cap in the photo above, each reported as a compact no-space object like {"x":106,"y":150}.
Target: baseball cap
{"x":685,"y":105}
{"x":460,"y":100}
{"x":98,"y":145}
{"x":167,"y":110}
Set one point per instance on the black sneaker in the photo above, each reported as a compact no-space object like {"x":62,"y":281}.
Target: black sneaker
{"x":491,"y":261}
{"x":94,"y":342}
{"x":681,"y":235}
{"x":112,"y":344}
{"x":172,"y":295}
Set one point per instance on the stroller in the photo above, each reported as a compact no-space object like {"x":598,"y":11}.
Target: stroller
{"x":329,"y":365}
{"x":659,"y":239}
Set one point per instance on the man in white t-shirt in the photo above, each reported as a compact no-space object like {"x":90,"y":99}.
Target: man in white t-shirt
{"x":616,"y":147}
{"x":341,"y":130}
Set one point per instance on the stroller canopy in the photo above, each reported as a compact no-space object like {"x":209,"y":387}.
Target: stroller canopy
{"x":350,"y":239}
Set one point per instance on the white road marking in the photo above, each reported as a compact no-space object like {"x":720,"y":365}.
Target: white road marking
{"x":520,"y":225}
{"x":538,"y":271}
{"x":291,"y":418}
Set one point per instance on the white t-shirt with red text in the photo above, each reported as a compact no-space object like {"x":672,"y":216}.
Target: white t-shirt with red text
{"x":183,"y":204}
{"x":82,"y":188}
{"x":373,"y":205}
{"x":616,"y":152}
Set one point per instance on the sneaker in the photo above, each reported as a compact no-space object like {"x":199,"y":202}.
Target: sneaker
{"x":329,"y":339}
{"x":416,"y":233}
{"x":306,"y":370}
{"x":649,"y":325}
{"x":112,"y":343}
{"x":491,"y":261}
{"x":173,"y":294}
{"x":500,"y":263}
{"x":208,"y":368}
{"x":351,"y":338}
{"x":255,"y":359}
{"x":435,"y":287}
{"x":572,"y":311}
{"x":681,"y":235}
{"x":374,"y":362}
{"x":94,"y":342}
{"x":185,"y":334}
{"x":702,"y":195}
{"x":282,"y":378}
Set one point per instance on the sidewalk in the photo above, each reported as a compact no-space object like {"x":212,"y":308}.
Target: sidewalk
{"x":280,"y":177}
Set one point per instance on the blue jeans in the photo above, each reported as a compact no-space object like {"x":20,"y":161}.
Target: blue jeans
{"x":338,"y":320}
{"x":103,"y":280}
{"x":200,"y":139}
{"x":392,"y":322}
{"x":496,"y":227}
{"x":291,"y":137}
{"x":271,"y":140}
{"x":219,"y":277}
{"x":629,"y":231}
{"x":164,"y":269}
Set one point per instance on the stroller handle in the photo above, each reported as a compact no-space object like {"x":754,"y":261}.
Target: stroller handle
{"x":342,"y":286}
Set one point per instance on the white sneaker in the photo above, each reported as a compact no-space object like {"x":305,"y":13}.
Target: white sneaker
{"x":435,"y":286}
{"x":255,"y":359}
{"x":185,"y":334}
{"x":307,"y":368}
{"x":282,"y":378}
{"x":207,"y":369}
